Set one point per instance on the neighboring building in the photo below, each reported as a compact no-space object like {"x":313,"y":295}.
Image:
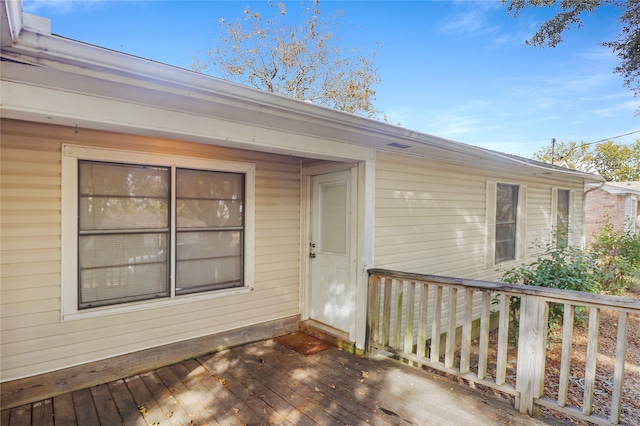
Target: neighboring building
{"x":150,"y":214}
{"x":615,"y":202}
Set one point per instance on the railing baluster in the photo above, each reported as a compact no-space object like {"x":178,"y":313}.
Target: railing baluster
{"x":483,"y":349}
{"x":397,"y":326}
{"x":386,"y":312}
{"x":422,"y":320}
{"x":618,"y":373}
{"x":590,"y":369}
{"x":435,"y":326}
{"x":565,"y":360}
{"x":503,"y":340}
{"x":450,"y":347}
{"x":465,"y":352}
{"x":408,"y":325}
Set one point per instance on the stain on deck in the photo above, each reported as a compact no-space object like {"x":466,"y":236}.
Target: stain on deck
{"x":266,"y":383}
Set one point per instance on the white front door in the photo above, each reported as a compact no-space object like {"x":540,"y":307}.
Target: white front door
{"x":330,"y":300}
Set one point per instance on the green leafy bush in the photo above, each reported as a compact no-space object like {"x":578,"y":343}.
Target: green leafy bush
{"x":617,"y":255}
{"x":567,"y":268}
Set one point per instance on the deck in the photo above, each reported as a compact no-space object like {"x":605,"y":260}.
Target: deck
{"x":267,"y":383}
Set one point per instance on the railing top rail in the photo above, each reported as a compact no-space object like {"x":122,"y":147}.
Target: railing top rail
{"x":551,"y":294}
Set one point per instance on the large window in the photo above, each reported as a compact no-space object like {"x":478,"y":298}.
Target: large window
{"x":150,"y":227}
{"x":506,"y":222}
{"x":562,"y":218}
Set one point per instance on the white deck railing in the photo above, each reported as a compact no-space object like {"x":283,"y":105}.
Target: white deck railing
{"x":409,"y":314}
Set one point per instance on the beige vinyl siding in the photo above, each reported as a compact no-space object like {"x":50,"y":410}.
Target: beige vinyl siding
{"x":35,"y":339}
{"x":430,"y":216}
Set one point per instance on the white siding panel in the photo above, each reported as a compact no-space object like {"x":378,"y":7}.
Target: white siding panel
{"x":35,"y":340}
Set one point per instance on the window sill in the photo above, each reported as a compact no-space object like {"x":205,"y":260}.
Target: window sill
{"x":152,"y":304}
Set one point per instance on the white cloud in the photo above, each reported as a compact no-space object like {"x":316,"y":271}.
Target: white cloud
{"x":61,"y":6}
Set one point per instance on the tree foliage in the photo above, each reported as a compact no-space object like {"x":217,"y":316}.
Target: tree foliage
{"x":626,"y":46}
{"x":615,"y":162}
{"x":304,"y":61}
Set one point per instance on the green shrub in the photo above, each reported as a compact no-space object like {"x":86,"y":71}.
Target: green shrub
{"x":617,"y":255}
{"x":567,"y":268}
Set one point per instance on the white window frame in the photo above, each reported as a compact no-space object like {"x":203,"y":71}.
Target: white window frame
{"x":71,"y":154}
{"x":490,"y":223}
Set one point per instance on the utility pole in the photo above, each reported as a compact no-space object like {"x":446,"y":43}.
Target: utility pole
{"x":553,"y":149}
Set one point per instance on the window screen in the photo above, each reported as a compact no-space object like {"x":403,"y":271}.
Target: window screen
{"x":209,"y":210}
{"x":506,"y":221}
{"x":123,"y":233}
{"x":562,"y":219}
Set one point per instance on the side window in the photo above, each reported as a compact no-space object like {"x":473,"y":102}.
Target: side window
{"x":562,"y":218}
{"x":506,"y":222}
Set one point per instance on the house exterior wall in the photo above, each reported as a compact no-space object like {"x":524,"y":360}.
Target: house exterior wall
{"x":431,"y":217}
{"x":603,"y":207}
{"x":36,"y":340}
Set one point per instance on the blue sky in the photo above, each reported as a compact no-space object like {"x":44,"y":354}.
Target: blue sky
{"x":455,"y":69}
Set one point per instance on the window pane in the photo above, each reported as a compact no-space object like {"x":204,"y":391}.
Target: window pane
{"x":210,"y":185}
{"x":117,"y":262}
{"x":208,"y":213}
{"x":333,"y":218}
{"x":506,"y":219}
{"x":562,"y":219}
{"x":208,"y":260}
{"x":122,"y":268}
{"x":121,"y":196}
{"x":207,"y":199}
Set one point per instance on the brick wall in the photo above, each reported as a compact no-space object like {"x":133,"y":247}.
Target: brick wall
{"x":601,"y":205}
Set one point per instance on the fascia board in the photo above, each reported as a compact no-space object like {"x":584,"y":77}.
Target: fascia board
{"x":84,"y":111}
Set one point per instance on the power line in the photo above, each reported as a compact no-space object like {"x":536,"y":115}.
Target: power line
{"x":592,"y":143}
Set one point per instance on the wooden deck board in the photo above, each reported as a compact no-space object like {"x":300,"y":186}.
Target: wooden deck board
{"x":125,"y":404}
{"x":195,"y":412}
{"x":20,"y":415}
{"x":42,"y":413}
{"x":229,"y":409}
{"x":105,"y":405}
{"x":339,"y":389}
{"x":197,"y":396}
{"x":223,"y":369}
{"x":278,"y":377}
{"x":277,"y":382}
{"x":63,"y":411}
{"x":145,"y":402}
{"x":84,"y":407}
{"x":266,"y":383}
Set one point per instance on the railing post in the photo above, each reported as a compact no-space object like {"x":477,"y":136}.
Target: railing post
{"x":373,"y":314}
{"x":532,"y":339}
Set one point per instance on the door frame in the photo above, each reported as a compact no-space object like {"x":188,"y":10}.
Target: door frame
{"x":305,"y":267}
{"x":363,"y":193}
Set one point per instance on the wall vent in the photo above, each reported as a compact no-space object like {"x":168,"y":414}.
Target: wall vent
{"x":398,"y":145}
